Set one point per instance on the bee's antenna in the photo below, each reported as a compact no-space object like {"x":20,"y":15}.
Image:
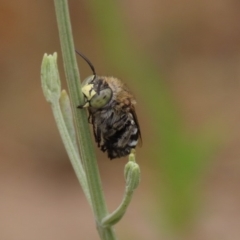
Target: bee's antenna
{"x":88,"y":61}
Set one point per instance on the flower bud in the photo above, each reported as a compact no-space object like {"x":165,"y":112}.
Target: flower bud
{"x":51,"y":84}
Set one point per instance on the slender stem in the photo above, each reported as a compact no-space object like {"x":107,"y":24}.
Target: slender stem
{"x":51,"y":86}
{"x":80,"y":117}
{"x":132,"y":177}
{"x":66,"y":110}
{"x":70,"y":148}
{"x":117,"y":214}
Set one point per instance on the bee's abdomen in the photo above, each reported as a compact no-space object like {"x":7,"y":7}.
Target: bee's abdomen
{"x":122,"y":141}
{"x":119,"y":135}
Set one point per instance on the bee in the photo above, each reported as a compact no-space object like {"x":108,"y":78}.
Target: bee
{"x":111,"y":113}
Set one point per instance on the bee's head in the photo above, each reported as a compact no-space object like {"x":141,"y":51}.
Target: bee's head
{"x":96,"y":94}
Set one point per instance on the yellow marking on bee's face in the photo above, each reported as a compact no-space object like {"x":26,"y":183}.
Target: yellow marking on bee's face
{"x":88,"y":91}
{"x":86,"y":105}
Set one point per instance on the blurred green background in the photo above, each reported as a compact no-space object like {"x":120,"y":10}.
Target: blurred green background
{"x":181,"y":60}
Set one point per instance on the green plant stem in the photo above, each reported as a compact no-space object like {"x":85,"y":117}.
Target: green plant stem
{"x":51,"y":86}
{"x":70,"y":148}
{"x":80,"y":117}
{"x":66,"y":110}
{"x":117,"y":214}
{"x":132,"y":177}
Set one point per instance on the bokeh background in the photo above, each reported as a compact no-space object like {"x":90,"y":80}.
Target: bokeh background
{"x":181,"y":60}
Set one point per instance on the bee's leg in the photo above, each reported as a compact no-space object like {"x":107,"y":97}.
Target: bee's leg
{"x":95,"y":133}
{"x":80,"y":106}
{"x":98,"y":136}
{"x":90,"y":119}
{"x":103,"y":148}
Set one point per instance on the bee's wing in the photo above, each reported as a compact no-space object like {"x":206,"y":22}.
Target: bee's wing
{"x":137,"y":123}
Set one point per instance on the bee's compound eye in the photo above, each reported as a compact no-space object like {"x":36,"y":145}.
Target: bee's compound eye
{"x":99,"y":101}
